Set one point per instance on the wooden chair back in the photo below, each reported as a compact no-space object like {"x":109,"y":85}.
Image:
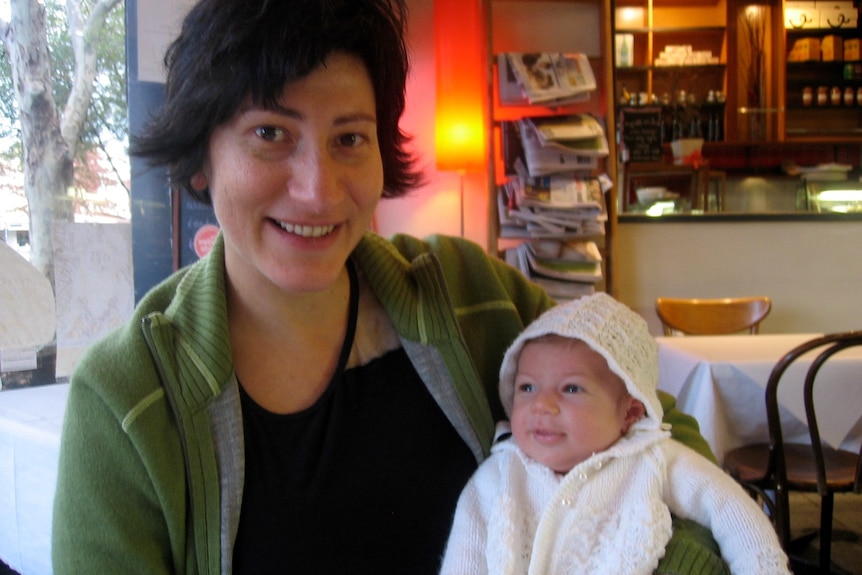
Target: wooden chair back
{"x":719,"y":316}
{"x":770,"y":471}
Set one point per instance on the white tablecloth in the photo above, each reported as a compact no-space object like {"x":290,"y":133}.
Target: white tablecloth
{"x":30,"y":426}
{"x":721,"y":381}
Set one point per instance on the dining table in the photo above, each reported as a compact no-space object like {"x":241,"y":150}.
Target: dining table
{"x":31,"y":420}
{"x":721,"y":381}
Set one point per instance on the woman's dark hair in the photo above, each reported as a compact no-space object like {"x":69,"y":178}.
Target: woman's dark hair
{"x":230,"y":50}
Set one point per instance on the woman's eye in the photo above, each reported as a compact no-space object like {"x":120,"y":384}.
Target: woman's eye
{"x":271,"y":133}
{"x":350,"y":140}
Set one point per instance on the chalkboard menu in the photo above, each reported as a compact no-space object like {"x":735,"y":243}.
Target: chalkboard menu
{"x":641,"y":134}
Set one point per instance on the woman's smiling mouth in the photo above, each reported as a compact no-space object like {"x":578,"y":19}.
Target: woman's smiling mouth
{"x":306,"y":231}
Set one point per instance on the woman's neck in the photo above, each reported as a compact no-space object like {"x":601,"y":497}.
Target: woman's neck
{"x":285,"y":347}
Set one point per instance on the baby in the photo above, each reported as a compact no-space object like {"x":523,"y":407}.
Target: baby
{"x":590,"y":477}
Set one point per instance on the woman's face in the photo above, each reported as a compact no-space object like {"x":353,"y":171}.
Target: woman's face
{"x":568,"y":404}
{"x":295,"y":188}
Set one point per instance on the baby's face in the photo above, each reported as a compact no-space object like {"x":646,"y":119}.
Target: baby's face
{"x":568,"y":404}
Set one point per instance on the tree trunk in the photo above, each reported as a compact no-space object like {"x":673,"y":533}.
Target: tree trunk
{"x":47,"y":161}
{"x":50,"y":141}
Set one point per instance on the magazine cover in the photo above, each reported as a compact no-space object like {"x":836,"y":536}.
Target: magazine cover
{"x":560,"y":191}
{"x":558,"y":289}
{"x":572,"y":270}
{"x":580,"y":134}
{"x":548,"y":77}
{"x":511,"y":93}
{"x":573,"y":127}
{"x":558,"y":157}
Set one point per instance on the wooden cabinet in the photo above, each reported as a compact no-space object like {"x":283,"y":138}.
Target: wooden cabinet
{"x":822,"y":89}
{"x":763,"y":81}
{"x":674,"y":54}
{"x":582,"y":26}
{"x":800,"y":57}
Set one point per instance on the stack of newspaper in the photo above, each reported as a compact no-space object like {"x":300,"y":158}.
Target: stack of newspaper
{"x":565,"y":269}
{"x":546,"y":78}
{"x":550,"y":195}
{"x":561,"y":143}
{"x":560,"y":205}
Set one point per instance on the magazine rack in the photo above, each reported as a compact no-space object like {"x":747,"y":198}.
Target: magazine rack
{"x":549,"y":85}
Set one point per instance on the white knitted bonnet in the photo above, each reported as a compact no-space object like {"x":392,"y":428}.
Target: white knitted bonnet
{"x":610,"y":328}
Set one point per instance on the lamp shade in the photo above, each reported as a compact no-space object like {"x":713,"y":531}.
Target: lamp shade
{"x":460,"y":50}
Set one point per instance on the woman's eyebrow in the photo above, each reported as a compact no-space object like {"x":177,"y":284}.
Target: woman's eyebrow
{"x":357,"y":117}
{"x":296,"y":114}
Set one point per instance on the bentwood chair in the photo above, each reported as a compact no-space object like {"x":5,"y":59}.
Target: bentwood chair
{"x":769,"y":471}
{"x":719,"y":316}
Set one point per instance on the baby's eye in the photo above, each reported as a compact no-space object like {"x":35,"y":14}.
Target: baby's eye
{"x":572,"y":389}
{"x":271,"y":133}
{"x":525,"y":387}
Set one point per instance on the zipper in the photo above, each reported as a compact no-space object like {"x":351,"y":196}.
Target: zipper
{"x":202,"y":550}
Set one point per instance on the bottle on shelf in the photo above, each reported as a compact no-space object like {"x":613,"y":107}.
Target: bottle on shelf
{"x":625,"y":96}
{"x":624,"y":51}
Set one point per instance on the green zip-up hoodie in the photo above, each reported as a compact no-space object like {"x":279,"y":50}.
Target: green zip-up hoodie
{"x":151,"y":461}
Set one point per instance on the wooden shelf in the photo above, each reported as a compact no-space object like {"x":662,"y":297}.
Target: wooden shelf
{"x":818,"y":123}
{"x":674,"y":30}
{"x":667,"y":3}
{"x":700,"y":25}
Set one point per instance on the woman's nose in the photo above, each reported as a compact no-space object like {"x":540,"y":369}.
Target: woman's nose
{"x":314,"y":178}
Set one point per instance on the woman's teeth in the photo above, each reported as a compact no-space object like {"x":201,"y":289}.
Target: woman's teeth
{"x":306,"y":231}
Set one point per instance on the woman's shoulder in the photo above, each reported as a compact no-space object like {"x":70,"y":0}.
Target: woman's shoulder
{"x":467,"y":264}
{"x":118,"y":368}
{"x":441,"y":245}
{"x":115,"y":372}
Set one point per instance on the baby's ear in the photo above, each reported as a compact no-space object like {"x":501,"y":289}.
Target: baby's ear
{"x":635,"y":411}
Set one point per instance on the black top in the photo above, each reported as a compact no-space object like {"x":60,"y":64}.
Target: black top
{"x":363,"y":481}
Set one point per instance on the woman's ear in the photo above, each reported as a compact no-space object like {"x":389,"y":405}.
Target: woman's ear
{"x":634,"y":412}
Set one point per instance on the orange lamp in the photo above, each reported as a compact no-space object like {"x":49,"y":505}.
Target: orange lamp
{"x":462,"y":90}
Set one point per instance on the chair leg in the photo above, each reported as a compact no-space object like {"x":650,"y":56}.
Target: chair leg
{"x":781,"y":501}
{"x":827,"y":503}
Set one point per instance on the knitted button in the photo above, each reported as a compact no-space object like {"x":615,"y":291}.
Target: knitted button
{"x":582,"y":476}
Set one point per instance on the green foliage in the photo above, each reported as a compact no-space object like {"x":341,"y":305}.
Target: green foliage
{"x":107,"y":115}
{"x":9,"y":129}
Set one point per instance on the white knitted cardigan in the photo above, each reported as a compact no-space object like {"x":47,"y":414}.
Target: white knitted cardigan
{"x":609,"y":515}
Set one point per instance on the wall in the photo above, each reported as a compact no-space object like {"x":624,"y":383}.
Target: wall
{"x":811,"y":270}
{"x":434,"y":208}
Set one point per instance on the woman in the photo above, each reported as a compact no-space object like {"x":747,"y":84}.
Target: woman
{"x":309,"y":397}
